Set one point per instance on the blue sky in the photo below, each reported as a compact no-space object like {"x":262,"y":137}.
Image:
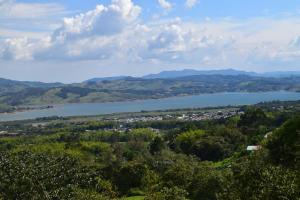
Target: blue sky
{"x":73,"y":40}
{"x":204,"y":8}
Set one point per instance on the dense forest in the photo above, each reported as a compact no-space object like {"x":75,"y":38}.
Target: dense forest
{"x":16,"y":94}
{"x":66,"y":158}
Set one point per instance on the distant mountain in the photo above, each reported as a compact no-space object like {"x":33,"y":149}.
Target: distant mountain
{"x":114,"y":78}
{"x":280,"y":74}
{"x":19,"y":93}
{"x":16,"y":93}
{"x":5,"y":82}
{"x":191,"y":72}
{"x":7,"y":85}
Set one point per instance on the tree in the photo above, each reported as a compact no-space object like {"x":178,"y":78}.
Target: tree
{"x":284,"y":143}
{"x":206,"y":183}
{"x":253,"y":117}
{"x":255,"y":179}
{"x":211,"y":149}
{"x":173,"y":193}
{"x":130,"y":176}
{"x":186,"y":140}
{"x":42,"y":176}
{"x":157,"y":145}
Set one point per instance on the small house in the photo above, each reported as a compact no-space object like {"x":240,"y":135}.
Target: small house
{"x":253,"y":148}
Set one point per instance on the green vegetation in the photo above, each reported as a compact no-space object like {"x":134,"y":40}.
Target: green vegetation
{"x":14,"y":93}
{"x":85,"y":158}
{"x":5,"y":108}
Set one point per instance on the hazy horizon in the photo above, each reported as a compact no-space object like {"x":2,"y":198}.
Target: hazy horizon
{"x":146,"y":74}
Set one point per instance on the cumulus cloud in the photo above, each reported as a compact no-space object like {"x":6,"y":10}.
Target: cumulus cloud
{"x":97,"y":34}
{"x":191,"y":3}
{"x":165,"y":4}
{"x":170,"y":40}
{"x":17,"y":49}
{"x":23,"y":48}
{"x":286,"y":53}
{"x":114,"y":32}
{"x":101,"y":21}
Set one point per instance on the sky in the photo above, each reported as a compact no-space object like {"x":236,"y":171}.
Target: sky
{"x":74,"y":40}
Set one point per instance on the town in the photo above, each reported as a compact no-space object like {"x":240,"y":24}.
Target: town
{"x":189,"y":116}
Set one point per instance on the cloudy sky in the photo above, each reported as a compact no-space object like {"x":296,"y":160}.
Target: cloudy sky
{"x":73,"y":40}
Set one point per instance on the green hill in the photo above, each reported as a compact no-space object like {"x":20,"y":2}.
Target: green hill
{"x":16,"y":93}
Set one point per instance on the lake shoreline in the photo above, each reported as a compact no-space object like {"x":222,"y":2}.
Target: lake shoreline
{"x":24,"y":109}
{"x":146,"y":99}
{"x":196,"y":101}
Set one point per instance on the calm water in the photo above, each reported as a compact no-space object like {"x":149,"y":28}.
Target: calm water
{"x":198,"y":101}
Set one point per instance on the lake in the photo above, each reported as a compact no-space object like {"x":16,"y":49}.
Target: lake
{"x":197,"y":101}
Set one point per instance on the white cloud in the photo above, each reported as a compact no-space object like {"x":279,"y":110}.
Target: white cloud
{"x":14,"y":10}
{"x":296,"y":42}
{"x":101,"y":21}
{"x":29,"y":19}
{"x":97,"y":34}
{"x":170,"y":40}
{"x":191,"y":3}
{"x":115,"y":34}
{"x":165,"y":4}
{"x":5,"y":3}
{"x":17,"y":49}
{"x":13,"y":33}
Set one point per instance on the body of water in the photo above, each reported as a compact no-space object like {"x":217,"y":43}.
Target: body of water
{"x":197,"y":101}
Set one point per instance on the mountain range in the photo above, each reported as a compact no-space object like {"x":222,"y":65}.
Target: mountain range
{"x":192,"y":72}
{"x":15,"y":94}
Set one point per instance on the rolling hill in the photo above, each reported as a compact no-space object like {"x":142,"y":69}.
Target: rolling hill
{"x":16,"y":93}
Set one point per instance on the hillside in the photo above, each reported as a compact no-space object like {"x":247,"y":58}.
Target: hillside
{"x":224,"y":72}
{"x":253,"y":154}
{"x":15,"y":93}
{"x":9,"y":86}
{"x":191,"y":72}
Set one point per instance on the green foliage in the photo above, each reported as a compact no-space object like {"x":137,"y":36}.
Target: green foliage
{"x":206,"y":183}
{"x":134,"y":198}
{"x":165,"y":193}
{"x":252,"y":117}
{"x":96,"y":148}
{"x":284,"y":144}
{"x":132,"y":174}
{"x":42,"y":176}
{"x":5,"y":108}
{"x":187,"y":139}
{"x":207,"y":160}
{"x":157,"y":145}
{"x":254,"y":179}
{"x":80,"y":194}
{"x":142,"y":134}
{"x":217,"y":144}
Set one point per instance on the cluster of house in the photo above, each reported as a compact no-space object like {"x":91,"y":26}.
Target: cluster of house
{"x":140,"y":119}
{"x":281,"y":108}
{"x":6,"y":133}
{"x":211,"y":115}
{"x":199,"y":116}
